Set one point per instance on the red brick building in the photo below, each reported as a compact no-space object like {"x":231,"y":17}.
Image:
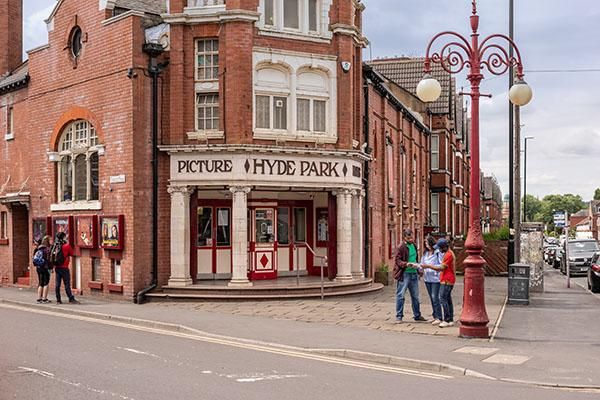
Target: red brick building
{"x":398,"y":179}
{"x":491,"y":205}
{"x":75,"y":149}
{"x":259,"y":128}
{"x":449,"y":164}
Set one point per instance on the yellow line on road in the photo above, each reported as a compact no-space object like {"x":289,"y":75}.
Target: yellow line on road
{"x":288,"y":352}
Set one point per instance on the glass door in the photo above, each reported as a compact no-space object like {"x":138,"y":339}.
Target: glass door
{"x":264,"y":234}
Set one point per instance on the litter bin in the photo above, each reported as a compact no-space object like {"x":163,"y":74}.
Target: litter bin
{"x":518,"y":284}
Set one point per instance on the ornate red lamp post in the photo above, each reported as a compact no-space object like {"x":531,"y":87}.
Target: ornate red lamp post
{"x":491,"y":55}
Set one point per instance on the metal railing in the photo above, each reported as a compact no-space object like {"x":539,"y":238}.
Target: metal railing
{"x":315,"y":255}
{"x":205,"y":3}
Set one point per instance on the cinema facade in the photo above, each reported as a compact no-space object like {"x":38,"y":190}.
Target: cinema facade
{"x":264,"y":213}
{"x":203,"y":149}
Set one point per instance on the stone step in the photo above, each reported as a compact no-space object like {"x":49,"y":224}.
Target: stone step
{"x":234,"y":294}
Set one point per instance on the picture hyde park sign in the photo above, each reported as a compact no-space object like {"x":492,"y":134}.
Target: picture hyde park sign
{"x":260,"y":167}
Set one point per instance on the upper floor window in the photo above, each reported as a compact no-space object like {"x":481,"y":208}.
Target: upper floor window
{"x":300,"y":109}
{"x":435,"y":152}
{"x":207,"y":59}
{"x":78,"y":166}
{"x":297,"y":16}
{"x":435,"y":209}
{"x":10,"y":123}
{"x":3,"y":225}
{"x":207,"y":112}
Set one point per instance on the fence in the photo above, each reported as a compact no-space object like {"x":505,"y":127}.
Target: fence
{"x":494,"y":253}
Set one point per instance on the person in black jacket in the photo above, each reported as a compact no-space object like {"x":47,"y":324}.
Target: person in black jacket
{"x":43,"y":271}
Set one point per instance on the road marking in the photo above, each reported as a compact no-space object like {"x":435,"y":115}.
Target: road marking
{"x":50,"y":375}
{"x":288,"y":351}
{"x":139,"y":352}
{"x":506,"y":359}
{"x":482,"y":351}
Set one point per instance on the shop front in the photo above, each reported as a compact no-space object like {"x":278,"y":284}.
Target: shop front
{"x":244,"y":216}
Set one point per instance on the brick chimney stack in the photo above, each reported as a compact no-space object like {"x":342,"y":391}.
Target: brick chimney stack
{"x":11,"y":35}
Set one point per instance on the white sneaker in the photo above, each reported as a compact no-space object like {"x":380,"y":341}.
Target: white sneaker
{"x":445,"y":324}
{"x":435,"y":322}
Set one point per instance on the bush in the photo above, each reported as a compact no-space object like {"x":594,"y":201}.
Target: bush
{"x":383,"y":267}
{"x":500,"y":234}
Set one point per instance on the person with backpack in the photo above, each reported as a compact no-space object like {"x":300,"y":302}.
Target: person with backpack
{"x":41,"y":261}
{"x":60,"y":255}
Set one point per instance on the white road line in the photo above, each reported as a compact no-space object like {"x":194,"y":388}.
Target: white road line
{"x":50,"y":375}
{"x":288,"y":351}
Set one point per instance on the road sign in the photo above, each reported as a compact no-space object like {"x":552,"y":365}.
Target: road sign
{"x":559,"y":219}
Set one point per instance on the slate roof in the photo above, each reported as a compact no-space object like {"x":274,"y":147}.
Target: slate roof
{"x":408,"y":72}
{"x":148,"y":6}
{"x":17,"y":78}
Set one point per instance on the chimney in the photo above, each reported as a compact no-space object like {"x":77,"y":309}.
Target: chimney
{"x":11,"y":35}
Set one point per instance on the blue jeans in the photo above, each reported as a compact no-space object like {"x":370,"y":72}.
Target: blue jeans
{"x":410,"y":282}
{"x":446,"y":300}
{"x":65,"y":275}
{"x":433,"y":288}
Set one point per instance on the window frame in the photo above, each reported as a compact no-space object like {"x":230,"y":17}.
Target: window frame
{"x":78,"y":139}
{"x":307,"y":13}
{"x":435,"y":152}
{"x":215,"y":105}
{"x":312,"y":115}
{"x":212,"y":53}
{"x":10,"y":122}
{"x":434,"y":215}
{"x":3,"y":225}
{"x":272,"y":98}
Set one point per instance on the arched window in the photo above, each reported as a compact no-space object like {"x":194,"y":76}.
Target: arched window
{"x":78,"y":166}
{"x":312,"y":101}
{"x":272,"y":90}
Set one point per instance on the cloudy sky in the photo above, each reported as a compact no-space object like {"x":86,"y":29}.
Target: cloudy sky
{"x":553,"y":35}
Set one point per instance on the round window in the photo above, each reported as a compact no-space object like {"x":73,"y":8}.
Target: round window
{"x":76,"y":41}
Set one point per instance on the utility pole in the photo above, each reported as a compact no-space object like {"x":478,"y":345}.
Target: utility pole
{"x":517,"y":184}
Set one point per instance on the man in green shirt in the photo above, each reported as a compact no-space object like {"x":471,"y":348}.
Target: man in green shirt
{"x":407,"y":277}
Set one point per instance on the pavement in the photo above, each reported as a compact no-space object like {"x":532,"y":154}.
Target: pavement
{"x":552,"y":342}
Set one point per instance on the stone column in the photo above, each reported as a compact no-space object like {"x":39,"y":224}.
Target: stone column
{"x":240,"y":236}
{"x":357,"y":235}
{"x":344,"y":235}
{"x":180,"y":236}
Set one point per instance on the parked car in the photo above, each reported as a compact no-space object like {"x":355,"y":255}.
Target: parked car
{"x":581,"y":252}
{"x":594,"y":274}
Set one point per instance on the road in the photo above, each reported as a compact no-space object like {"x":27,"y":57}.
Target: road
{"x":46,"y":355}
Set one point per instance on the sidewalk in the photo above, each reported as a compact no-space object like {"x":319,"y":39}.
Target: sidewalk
{"x":554,"y":340}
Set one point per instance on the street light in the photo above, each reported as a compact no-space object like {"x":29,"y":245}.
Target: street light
{"x":526,"y":138}
{"x":453,"y":58}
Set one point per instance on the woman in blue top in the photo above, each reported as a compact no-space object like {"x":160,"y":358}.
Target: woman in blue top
{"x":431,"y":256}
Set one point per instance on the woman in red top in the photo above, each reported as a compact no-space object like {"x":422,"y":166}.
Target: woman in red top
{"x":447,"y":280}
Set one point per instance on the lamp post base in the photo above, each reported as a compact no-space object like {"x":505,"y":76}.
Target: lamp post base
{"x":472,"y":332}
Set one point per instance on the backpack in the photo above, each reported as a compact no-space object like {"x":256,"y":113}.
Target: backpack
{"x":57,"y":258}
{"x":38,"y":258}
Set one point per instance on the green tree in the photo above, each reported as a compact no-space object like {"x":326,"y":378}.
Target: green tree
{"x":559,"y":202}
{"x":534,"y":207}
{"x":597,"y":194}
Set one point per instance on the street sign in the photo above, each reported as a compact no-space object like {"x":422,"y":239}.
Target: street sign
{"x":559,"y":219}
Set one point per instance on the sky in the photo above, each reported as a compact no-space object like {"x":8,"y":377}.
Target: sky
{"x":552,"y":35}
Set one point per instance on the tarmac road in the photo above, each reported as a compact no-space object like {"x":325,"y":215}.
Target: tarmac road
{"x":46,"y":355}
